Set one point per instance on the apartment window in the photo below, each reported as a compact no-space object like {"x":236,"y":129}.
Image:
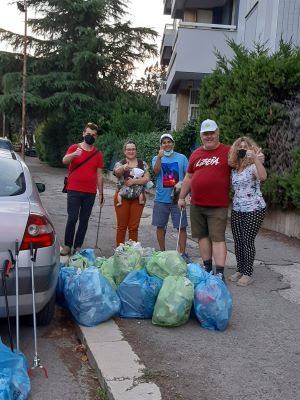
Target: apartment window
{"x":194,"y":113}
{"x":194,"y":109}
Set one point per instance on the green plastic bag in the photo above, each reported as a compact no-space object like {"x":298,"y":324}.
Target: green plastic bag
{"x":78,"y":261}
{"x":125,"y":261}
{"x":147,"y":255}
{"x":166,"y":263}
{"x":107,"y":270}
{"x":99,"y":261}
{"x":174,"y":302}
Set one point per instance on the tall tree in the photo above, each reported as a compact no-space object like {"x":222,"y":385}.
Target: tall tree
{"x":82,"y":52}
{"x":150,"y":82}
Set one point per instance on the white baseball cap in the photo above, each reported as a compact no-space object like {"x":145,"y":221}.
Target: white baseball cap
{"x":208,"y":125}
{"x":166,"y":135}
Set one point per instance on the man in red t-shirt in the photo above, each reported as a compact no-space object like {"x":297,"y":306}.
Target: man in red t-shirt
{"x":85,"y":177}
{"x":208,"y":179}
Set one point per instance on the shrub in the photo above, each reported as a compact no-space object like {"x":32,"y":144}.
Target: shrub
{"x":246,"y":95}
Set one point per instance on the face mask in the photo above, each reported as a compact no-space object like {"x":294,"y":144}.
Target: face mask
{"x":242,"y":153}
{"x":168,"y":153}
{"x":89,"y":139}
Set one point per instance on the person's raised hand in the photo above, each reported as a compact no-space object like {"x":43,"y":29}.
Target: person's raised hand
{"x":78,"y":152}
{"x":160,"y":152}
{"x":260,"y":155}
{"x":256,"y":154}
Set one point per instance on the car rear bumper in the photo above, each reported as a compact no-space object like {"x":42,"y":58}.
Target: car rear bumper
{"x":25,"y":303}
{"x":45,"y":280}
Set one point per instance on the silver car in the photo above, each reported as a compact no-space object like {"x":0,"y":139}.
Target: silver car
{"x":24,"y":220}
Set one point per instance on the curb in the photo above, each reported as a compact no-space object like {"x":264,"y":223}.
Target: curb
{"x":119,"y":370}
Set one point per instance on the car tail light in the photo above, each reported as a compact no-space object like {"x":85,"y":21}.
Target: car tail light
{"x":39,"y":231}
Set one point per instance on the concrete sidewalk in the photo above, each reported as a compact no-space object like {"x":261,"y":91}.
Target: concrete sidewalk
{"x":119,"y":369}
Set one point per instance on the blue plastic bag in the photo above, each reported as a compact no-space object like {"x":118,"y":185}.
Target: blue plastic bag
{"x":89,"y":254}
{"x":64,"y":272}
{"x":138,"y":293}
{"x":90,"y":297}
{"x":14,"y":379}
{"x":213,"y":303}
{"x":196,"y":273}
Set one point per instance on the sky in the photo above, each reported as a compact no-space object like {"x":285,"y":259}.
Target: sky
{"x":146,"y":13}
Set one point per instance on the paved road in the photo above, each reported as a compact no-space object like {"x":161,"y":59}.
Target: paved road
{"x":257,"y":357}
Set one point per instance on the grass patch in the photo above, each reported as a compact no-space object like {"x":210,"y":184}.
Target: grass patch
{"x":102,"y":394}
{"x":150,"y":375}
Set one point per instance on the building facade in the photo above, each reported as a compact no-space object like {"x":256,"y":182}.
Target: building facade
{"x":202,"y":27}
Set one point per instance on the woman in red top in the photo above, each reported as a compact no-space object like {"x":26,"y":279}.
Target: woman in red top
{"x":85,"y":177}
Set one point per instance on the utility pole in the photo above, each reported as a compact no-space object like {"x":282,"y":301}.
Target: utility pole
{"x":23,"y":8}
{"x":3,"y":122}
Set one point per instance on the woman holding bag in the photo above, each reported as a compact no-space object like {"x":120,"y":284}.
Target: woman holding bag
{"x":130,"y":211}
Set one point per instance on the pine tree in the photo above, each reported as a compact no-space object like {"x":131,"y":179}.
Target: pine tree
{"x":82,"y":53}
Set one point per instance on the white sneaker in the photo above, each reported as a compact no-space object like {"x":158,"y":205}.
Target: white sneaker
{"x":65,"y":251}
{"x":235,"y":277}
{"x":245,"y":280}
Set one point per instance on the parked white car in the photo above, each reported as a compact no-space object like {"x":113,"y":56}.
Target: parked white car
{"x":24,"y":220}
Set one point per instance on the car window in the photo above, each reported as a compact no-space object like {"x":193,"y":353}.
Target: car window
{"x":5,"y":144}
{"x":12,"y":180}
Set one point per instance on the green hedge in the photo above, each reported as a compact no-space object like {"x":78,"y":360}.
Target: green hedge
{"x":284,"y":191}
{"x":246,"y":95}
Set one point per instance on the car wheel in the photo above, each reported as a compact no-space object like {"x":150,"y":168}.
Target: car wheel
{"x":46,"y":314}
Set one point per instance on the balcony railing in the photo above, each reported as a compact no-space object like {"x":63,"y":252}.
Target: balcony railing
{"x":201,"y":25}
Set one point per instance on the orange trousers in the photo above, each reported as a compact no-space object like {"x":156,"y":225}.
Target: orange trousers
{"x":128,"y":218}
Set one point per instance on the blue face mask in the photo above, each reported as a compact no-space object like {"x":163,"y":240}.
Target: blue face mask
{"x":168,"y":153}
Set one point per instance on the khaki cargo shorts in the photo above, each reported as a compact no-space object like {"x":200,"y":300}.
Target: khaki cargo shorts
{"x":208,"y":222}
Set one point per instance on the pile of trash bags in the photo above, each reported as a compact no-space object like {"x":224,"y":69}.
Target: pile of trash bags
{"x":139,"y":282}
{"x":14,"y":379}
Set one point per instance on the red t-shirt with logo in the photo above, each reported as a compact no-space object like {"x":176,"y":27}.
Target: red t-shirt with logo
{"x":84,"y":178}
{"x":211,"y":176}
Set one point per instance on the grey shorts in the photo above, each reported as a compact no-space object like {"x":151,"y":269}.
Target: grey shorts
{"x":208,"y":222}
{"x":161,"y":214}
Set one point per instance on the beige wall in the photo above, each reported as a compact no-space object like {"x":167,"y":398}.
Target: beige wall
{"x":286,"y":222}
{"x":182,"y":107}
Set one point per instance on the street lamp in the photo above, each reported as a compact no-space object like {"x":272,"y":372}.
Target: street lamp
{"x":23,"y":8}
